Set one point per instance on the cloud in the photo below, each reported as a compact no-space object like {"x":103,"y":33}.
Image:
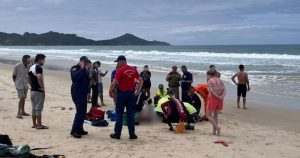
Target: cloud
{"x":21,"y":8}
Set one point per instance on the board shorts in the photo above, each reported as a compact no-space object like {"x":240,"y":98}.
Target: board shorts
{"x":241,"y":90}
{"x":37,"y":100}
{"x":22,"y":93}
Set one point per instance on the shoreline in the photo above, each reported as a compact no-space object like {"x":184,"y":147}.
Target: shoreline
{"x":270,"y":132}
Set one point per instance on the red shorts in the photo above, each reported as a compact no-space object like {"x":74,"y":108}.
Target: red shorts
{"x":214,"y":104}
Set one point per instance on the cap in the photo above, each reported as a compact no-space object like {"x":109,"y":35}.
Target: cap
{"x":121,"y":57}
{"x":84,"y":58}
{"x":161,"y":86}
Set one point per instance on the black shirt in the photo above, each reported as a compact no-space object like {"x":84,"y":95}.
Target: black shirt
{"x":187,"y":76}
{"x":195,"y":101}
{"x":146,"y":75}
{"x":33,"y":71}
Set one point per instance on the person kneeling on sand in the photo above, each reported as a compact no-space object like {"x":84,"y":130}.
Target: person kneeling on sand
{"x":215,"y":99}
{"x":174,"y":111}
{"x":161,"y":92}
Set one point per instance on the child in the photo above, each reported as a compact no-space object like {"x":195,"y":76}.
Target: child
{"x":215,"y":98}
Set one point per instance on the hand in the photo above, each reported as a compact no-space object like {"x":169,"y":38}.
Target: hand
{"x":82,"y":65}
{"x":106,"y":71}
{"x":249,"y":88}
{"x":112,"y":94}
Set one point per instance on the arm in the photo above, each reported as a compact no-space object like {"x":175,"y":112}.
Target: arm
{"x":168,"y":77}
{"x":40,"y":81}
{"x":112,"y":88}
{"x":140,"y":84}
{"x":28,"y":80}
{"x":15,"y":72}
{"x":77,"y":74}
{"x":233,"y":79}
{"x":190,"y":79}
{"x":103,"y":74}
{"x":211,"y":90}
{"x":247,"y":82}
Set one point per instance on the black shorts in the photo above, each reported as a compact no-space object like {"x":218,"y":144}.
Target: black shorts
{"x":242,"y":90}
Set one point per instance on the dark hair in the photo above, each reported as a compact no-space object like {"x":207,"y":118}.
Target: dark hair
{"x":192,"y":89}
{"x":25,"y":57}
{"x":241,"y":67}
{"x":88,"y":61}
{"x":211,"y":66}
{"x":146,"y":66}
{"x":183,"y":66}
{"x":98,"y":62}
{"x":39,"y":57}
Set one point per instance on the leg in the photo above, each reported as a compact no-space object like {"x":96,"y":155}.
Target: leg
{"x":170,"y":124}
{"x":40,"y":99}
{"x":101,"y":94}
{"x":216,"y":117}
{"x":95,"y":96}
{"x":130,"y":111}
{"x":244,"y":103}
{"x":120,"y":112}
{"x":212,"y":120}
{"x":238,"y":101}
{"x":148,"y":92}
{"x":33,"y":102}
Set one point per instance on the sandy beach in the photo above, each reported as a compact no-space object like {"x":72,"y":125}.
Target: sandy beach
{"x":260,"y":131}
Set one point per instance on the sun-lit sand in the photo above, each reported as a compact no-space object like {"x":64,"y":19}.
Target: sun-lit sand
{"x":257,"y":132}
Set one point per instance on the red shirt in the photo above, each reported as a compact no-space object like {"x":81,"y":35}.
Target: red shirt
{"x":127,"y":76}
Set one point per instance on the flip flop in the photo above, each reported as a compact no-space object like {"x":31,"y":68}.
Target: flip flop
{"x":221,"y":142}
{"x":19,"y":117}
{"x":43,"y":127}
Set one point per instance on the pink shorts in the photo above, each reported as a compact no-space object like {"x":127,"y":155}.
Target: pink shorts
{"x":214,"y":104}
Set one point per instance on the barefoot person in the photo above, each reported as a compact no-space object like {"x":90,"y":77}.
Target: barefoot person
{"x":215,"y":98}
{"x":21,"y":84}
{"x":79,"y":91}
{"x":100,"y":84}
{"x":242,"y":85}
{"x":36,"y":81}
{"x":127,"y":90}
{"x":186,"y":83}
{"x":146,"y":76}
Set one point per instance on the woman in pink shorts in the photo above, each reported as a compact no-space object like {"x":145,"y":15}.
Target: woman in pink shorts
{"x":215,"y":98}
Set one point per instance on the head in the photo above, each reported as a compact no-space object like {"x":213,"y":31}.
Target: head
{"x":95,"y":65}
{"x":210,"y":74}
{"x":171,"y":93}
{"x":174,"y":68}
{"x":84,"y":60}
{"x":241,"y":67}
{"x":146,"y":68}
{"x":89,"y":64}
{"x":40,"y":59}
{"x":161,"y":87}
{"x":121,"y":61}
{"x":212,"y":67}
{"x":191,"y":91}
{"x":183,"y":68}
{"x":99,"y":63}
{"x":26,"y":60}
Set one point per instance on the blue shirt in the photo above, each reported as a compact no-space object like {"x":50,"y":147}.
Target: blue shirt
{"x":187,"y":76}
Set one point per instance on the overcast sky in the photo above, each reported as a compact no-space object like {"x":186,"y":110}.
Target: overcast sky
{"x":175,"y":21}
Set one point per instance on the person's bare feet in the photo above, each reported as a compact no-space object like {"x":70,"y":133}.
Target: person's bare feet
{"x":102,"y":104}
{"x":245,"y":108}
{"x":238,"y":107}
{"x":25,"y":114}
{"x":218,"y":131}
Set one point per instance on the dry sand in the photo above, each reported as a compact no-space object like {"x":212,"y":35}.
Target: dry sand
{"x":257,"y":132}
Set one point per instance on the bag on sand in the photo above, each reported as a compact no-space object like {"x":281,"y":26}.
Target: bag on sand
{"x":95,"y":114}
{"x":4,"y":139}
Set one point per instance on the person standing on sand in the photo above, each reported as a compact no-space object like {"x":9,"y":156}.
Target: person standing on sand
{"x":215,"y":99}
{"x":94,"y":85}
{"x":36,"y":81}
{"x":242,"y":85}
{"x":21,"y":84}
{"x":100,"y":84}
{"x":127,"y":91}
{"x":186,"y":83}
{"x":173,"y":78}
{"x":146,"y":76}
{"x":89,"y":68}
{"x":79,"y":91}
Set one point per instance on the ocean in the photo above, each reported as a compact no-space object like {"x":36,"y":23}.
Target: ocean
{"x":273,"y":69}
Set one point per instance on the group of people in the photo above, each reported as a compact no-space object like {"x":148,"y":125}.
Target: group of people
{"x":126,"y":85}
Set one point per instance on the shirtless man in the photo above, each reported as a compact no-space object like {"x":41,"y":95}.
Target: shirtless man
{"x":242,"y":85}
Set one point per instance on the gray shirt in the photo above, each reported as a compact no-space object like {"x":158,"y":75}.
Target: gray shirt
{"x":20,"y":71}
